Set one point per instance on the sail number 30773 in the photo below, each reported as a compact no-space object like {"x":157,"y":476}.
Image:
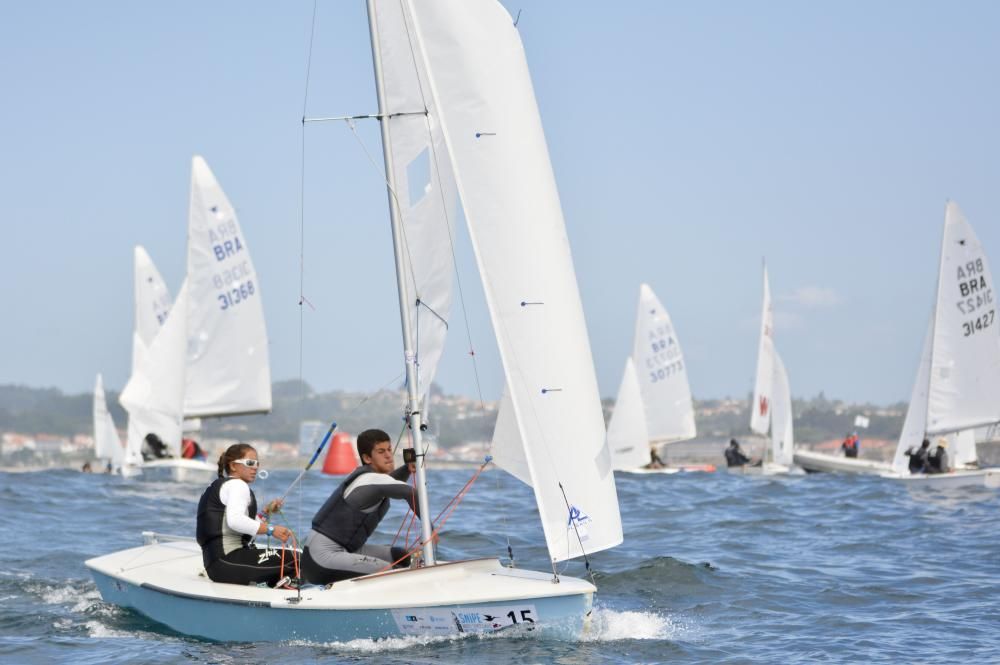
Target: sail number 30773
{"x":978,"y":323}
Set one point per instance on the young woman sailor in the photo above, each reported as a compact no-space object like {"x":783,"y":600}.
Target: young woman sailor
{"x":228,"y":523}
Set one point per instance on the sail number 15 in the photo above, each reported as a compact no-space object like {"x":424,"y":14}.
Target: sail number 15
{"x":978,"y":323}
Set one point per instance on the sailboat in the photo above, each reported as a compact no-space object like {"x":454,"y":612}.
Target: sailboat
{"x":474,"y":94}
{"x":206,"y":354}
{"x":771,"y":408}
{"x":107,"y":445}
{"x":957,"y":388}
{"x":655,"y":390}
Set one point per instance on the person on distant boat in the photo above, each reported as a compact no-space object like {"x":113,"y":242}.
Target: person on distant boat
{"x":937,"y":462}
{"x":654,"y":460}
{"x":918,"y":457}
{"x":850,"y":445}
{"x":735,"y":455}
{"x":191,"y":450}
{"x":154,"y":448}
{"x":228,"y":522}
{"x":86,"y":467}
{"x":336,"y":547}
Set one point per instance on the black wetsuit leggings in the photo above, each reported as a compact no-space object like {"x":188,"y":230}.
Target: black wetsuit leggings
{"x":250,"y":565}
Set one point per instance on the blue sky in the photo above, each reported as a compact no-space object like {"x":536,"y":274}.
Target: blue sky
{"x":689,"y":139}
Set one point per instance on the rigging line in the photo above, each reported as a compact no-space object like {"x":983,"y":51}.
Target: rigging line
{"x":302,"y":232}
{"x":392,"y":192}
{"x":576,"y":530}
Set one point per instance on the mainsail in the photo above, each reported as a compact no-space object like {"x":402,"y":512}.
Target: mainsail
{"x":964,"y":388}
{"x":424,"y":189}
{"x":760,"y":408}
{"x":661,"y":372}
{"x":152,"y":307}
{"x":107,"y":445}
{"x":628,"y":436}
{"x":782,"y":431}
{"x":154,"y":394}
{"x":227,"y":367}
{"x":480,"y":84}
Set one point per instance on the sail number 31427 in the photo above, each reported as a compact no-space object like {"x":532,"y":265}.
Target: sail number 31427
{"x":978,"y":323}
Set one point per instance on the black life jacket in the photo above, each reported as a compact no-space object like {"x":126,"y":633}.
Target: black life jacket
{"x":211,"y":517}
{"x":344,"y":524}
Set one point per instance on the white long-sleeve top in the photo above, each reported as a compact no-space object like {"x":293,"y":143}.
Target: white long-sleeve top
{"x":235,"y":495}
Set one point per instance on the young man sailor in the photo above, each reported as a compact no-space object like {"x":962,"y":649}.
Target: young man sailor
{"x":336,"y":548}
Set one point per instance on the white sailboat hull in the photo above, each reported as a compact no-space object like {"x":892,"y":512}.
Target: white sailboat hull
{"x":989,"y":478}
{"x":174,"y":468}
{"x":663,"y":470}
{"x":165,"y":581}
{"x":766,"y":469}
{"x":814,"y":462}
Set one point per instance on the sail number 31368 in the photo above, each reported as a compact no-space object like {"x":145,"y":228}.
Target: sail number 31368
{"x":978,"y":323}
{"x":236,"y":295}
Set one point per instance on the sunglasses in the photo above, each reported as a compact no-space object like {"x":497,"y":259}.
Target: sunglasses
{"x":251,"y":463}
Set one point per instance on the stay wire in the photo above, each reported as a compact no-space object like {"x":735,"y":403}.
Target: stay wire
{"x":302,"y":232}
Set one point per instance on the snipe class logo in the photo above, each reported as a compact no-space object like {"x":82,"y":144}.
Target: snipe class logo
{"x":763,"y":406}
{"x":578,"y":521}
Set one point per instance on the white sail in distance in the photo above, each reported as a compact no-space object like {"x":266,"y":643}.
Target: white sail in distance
{"x":227,"y":367}
{"x":154,"y":395}
{"x":424,"y":196}
{"x":782,"y":430}
{"x":915,"y":422}
{"x":628,"y":436}
{"x":152,"y":307}
{"x":482,"y":89}
{"x":760,"y":408}
{"x":661,"y":372}
{"x":107,"y":445}
{"x":964,"y":390}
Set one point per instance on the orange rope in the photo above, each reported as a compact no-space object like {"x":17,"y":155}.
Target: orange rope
{"x":453,"y":505}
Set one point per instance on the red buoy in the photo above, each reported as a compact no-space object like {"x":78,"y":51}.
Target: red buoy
{"x":340,"y":458}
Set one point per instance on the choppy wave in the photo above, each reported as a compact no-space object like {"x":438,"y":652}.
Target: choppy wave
{"x":714,"y":568}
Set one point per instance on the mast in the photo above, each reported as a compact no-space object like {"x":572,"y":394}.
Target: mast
{"x":412,"y":400}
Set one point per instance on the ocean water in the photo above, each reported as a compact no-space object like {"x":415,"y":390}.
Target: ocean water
{"x":714,"y":568}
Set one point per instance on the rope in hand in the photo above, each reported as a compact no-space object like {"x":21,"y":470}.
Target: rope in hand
{"x":291,"y":545}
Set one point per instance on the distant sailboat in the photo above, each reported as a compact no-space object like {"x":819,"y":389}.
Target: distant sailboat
{"x":152,"y":307}
{"x":771,"y":408}
{"x":209,"y":358}
{"x":655,"y":389}
{"x":628,"y":434}
{"x":107,"y":446}
{"x":958,"y":380}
